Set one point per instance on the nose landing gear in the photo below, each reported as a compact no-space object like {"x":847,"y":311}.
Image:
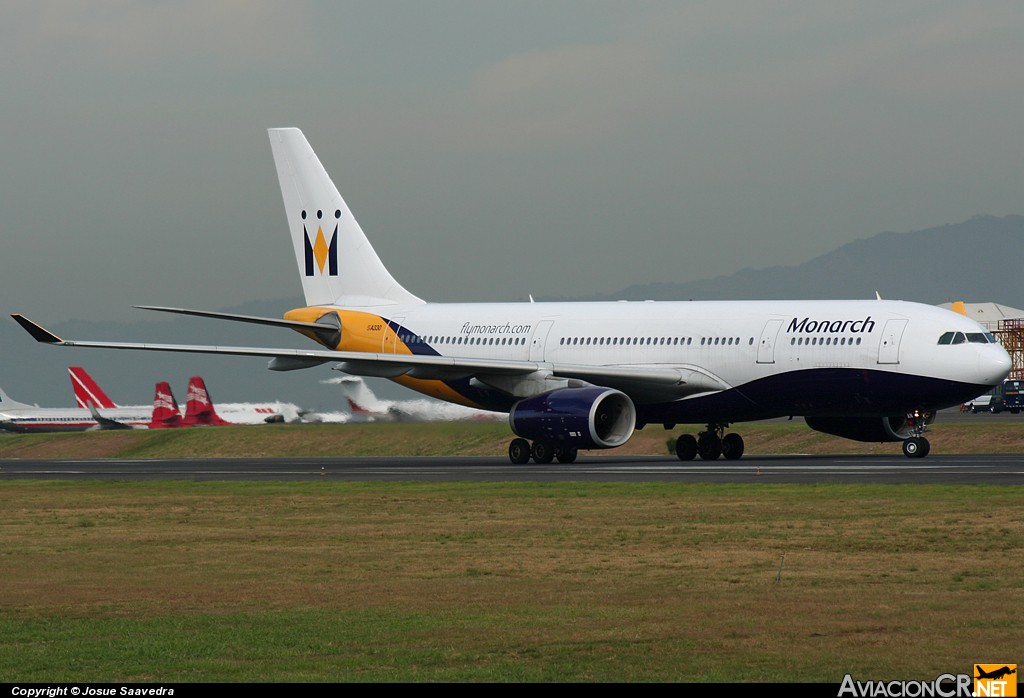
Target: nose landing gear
{"x":917,"y":446}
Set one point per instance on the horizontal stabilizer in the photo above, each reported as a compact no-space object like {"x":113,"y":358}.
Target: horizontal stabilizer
{"x":254,"y":319}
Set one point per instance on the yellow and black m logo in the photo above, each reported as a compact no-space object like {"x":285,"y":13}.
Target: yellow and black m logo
{"x":320,"y":253}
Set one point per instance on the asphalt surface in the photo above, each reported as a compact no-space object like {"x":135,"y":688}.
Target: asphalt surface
{"x":937,"y":468}
{"x":752,"y":469}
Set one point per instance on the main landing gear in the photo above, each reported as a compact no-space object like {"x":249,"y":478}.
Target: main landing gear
{"x":710,"y":444}
{"x":520,"y":452}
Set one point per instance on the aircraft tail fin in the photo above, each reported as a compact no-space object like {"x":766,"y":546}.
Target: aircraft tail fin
{"x":87,"y":391}
{"x":165,"y":408}
{"x":356,"y":408}
{"x":7,"y":402}
{"x":199,"y":410}
{"x":337,"y":263}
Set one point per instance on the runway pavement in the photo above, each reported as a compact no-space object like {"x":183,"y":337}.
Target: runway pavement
{"x":753,"y":469}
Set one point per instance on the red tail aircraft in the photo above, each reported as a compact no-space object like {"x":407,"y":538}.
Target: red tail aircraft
{"x":199,"y":410}
{"x":87,"y":391}
{"x":166,"y":414}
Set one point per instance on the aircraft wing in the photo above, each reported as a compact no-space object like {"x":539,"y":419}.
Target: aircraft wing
{"x":676,"y":381}
{"x":106,"y":422}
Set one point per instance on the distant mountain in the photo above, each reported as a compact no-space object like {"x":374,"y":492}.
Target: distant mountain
{"x":974,"y":261}
{"x":971,"y":261}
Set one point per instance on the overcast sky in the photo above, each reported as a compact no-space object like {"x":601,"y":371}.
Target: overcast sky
{"x":490,"y":149}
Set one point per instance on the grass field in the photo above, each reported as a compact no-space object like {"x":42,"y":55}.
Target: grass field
{"x":517,"y":581}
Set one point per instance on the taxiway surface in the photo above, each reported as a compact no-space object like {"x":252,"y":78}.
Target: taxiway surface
{"x":936,"y":469}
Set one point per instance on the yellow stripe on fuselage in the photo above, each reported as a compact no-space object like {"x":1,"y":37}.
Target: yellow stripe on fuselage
{"x":438,"y":389}
{"x":359,"y":331}
{"x":368,"y":332}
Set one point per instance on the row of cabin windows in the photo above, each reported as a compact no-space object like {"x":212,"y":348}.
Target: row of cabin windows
{"x":649,"y":341}
{"x":631,"y":341}
{"x":946,"y":338}
{"x":824,"y":341}
{"x":490,"y":341}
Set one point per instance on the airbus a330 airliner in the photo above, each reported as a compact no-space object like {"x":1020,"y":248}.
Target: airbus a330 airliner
{"x":585,"y":375}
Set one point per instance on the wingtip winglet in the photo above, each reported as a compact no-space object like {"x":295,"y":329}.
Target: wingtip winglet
{"x":39,"y":333}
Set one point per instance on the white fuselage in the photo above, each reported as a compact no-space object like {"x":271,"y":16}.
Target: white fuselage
{"x":755,"y":348}
{"x":24,"y":418}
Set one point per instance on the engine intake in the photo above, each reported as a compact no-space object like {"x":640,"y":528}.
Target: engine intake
{"x":578,"y":417}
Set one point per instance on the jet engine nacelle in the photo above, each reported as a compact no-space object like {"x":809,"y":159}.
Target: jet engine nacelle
{"x":873,"y":429}
{"x":577,"y":417}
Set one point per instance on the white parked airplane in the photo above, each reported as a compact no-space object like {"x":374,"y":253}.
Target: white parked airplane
{"x":20,"y":417}
{"x":365,"y":406}
{"x":584,"y":375}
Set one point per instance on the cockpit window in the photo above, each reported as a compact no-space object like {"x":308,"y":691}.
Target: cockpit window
{"x":972,"y":337}
{"x":953,"y":338}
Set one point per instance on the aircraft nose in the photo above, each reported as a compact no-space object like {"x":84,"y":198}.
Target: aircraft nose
{"x":994,"y":364}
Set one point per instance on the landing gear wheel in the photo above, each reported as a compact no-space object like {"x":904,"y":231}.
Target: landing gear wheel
{"x":732,"y":446}
{"x":709,"y":447}
{"x":916,"y":447}
{"x":686,"y":447}
{"x":543,"y":453}
{"x":566,"y":454}
{"x":519,"y":451}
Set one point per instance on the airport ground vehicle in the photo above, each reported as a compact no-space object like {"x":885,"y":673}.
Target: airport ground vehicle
{"x":982,"y":403}
{"x":1007,"y":397}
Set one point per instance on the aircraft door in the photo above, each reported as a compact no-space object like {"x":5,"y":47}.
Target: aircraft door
{"x":538,"y":340}
{"x":889,"y":348}
{"x":389,"y":342}
{"x":766,"y":347}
